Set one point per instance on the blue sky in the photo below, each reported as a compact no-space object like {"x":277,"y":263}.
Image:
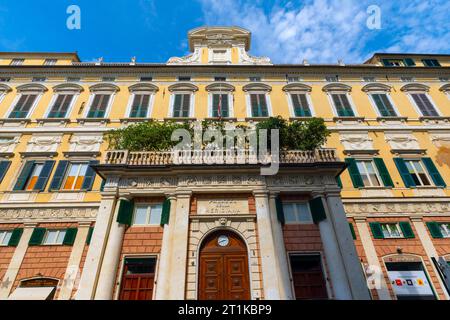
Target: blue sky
{"x":286,"y":31}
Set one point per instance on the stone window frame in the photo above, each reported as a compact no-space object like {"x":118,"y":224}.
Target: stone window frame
{"x":379,"y":88}
{"x":30,"y":88}
{"x":101,"y":88}
{"x":182,"y":88}
{"x":145,"y":89}
{"x":299,"y":88}
{"x":64,"y":89}
{"x":417,"y":88}
{"x":340,"y":88}
{"x":257,"y":88}
{"x":221,"y":88}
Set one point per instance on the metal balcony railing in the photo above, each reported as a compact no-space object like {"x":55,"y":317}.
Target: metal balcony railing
{"x":155,"y":158}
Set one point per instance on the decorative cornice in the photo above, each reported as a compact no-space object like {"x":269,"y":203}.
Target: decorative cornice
{"x":415,"y":87}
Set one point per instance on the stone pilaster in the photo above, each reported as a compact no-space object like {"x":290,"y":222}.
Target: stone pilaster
{"x":177,"y":278}
{"x":164,"y":265}
{"x":73,"y":267}
{"x":92,"y":266}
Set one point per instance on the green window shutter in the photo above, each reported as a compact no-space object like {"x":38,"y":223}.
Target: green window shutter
{"x":434,"y":173}
{"x":15,"y":237}
{"x":317,"y":210}
{"x":4,"y":166}
{"x":24,"y":175}
{"x":37,"y":236}
{"x":59,"y":175}
{"x":409,"y":62}
{"x":89,"y":178}
{"x":435,"y":230}
{"x":70,"y":236}
{"x":377,"y":232}
{"x":354,"y":173}
{"x":406,"y":230}
{"x":404,"y":172}
{"x":44,"y":176}
{"x":339,"y":182}
{"x":384,"y":173}
{"x":165,"y":215}
{"x":125,"y":214}
{"x":280,"y":211}
{"x":89,"y":235}
{"x":352,"y":230}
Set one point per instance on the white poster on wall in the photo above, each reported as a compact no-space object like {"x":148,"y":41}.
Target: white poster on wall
{"x":410,"y":283}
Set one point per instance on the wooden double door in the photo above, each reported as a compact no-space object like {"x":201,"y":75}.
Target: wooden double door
{"x":223,"y":268}
{"x":138,"y":279}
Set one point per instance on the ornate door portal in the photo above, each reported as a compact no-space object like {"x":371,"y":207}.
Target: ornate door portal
{"x":223,"y":268}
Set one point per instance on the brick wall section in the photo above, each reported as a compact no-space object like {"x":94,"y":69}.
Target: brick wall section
{"x":6,"y":253}
{"x":362,"y":254}
{"x":385,"y":247}
{"x":140,"y":241}
{"x":304,"y":238}
{"x":46,"y":261}
{"x":442,"y":245}
{"x":251,"y":200}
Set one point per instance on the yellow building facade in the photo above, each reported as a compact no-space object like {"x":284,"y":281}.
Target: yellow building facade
{"x":60,"y":228}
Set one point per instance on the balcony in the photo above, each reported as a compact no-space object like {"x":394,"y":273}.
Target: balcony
{"x":208,"y":157}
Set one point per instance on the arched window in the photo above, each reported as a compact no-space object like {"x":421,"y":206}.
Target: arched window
{"x":182,"y":100}
{"x":379,"y":96}
{"x":220,"y":100}
{"x":63,"y":100}
{"x":421,"y":100}
{"x":299,"y":99}
{"x":140,"y":103}
{"x":26,"y":101}
{"x":101,"y":100}
{"x":340,"y":99}
{"x":258,"y":100}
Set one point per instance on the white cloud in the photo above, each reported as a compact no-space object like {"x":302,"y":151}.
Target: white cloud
{"x":328,"y":30}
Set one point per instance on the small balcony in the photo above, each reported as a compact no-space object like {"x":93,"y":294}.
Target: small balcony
{"x":218,"y":157}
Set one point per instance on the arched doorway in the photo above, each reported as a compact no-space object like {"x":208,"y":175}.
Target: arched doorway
{"x":223,"y":268}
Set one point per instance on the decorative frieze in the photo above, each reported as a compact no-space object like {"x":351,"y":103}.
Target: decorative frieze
{"x":402,"y":141}
{"x":47,"y":213}
{"x":406,"y":208}
{"x":41,"y":143}
{"x":86,"y":142}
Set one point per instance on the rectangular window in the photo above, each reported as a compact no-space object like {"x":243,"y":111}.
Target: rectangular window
{"x":220,"y":105}
{"x":221,"y":79}
{"x":23,"y":106}
{"x":424,"y":104}
{"x":5,"y":236}
{"x":445,"y":229}
{"x":140,"y":106}
{"x":255,"y":79}
{"x":75,"y":176}
{"x":50,"y":62}
{"x":369,"y":79}
{"x":407,"y":79}
{"x":431,"y":63}
{"x":418,"y":172}
{"x":146,"y":79}
{"x":368,"y":173}
{"x":54,"y":237}
{"x":332,"y":79}
{"x":61,"y":106}
{"x":73,"y":79}
{"x":34,"y":176}
{"x":145,"y":215}
{"x":300,"y":105}
{"x":39,"y":79}
{"x":384,"y":105}
{"x":108,"y":79}
{"x":297,"y":212}
{"x":308,"y":278}
{"x":184,"y":78}
{"x":342,"y":105}
{"x":293,"y":79}
{"x":391,"y":230}
{"x":182,"y":105}
{"x":99,"y":106}
{"x":393,"y":63}
{"x":17,"y":62}
{"x":259,"y":105}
